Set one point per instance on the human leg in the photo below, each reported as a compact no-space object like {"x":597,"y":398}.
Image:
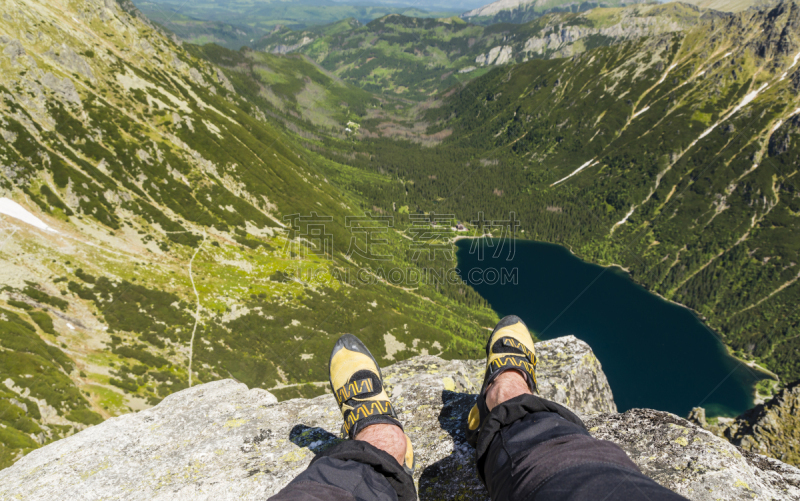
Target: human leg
{"x":377,"y":462}
{"x":529,"y":448}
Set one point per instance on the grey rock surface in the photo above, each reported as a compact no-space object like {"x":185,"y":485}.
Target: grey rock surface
{"x":223,"y":80}
{"x":70,"y":60}
{"x":694,"y":462}
{"x":61,"y":86}
{"x":222,"y":441}
{"x":13,"y":48}
{"x":197,"y":77}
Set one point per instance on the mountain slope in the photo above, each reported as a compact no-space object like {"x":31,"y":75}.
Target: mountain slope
{"x":415,"y":58}
{"x":234,"y":24}
{"x":772,"y":428}
{"x":674,"y":156}
{"x":729,"y":5}
{"x":143,"y":239}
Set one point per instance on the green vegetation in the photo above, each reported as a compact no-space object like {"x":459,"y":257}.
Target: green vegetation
{"x":36,"y":370}
{"x":43,"y":320}
{"x":714,"y":220}
{"x":238,"y":23}
{"x":36,"y":294}
{"x":179,"y":174}
{"x":766,"y":388}
{"x":417,"y":58}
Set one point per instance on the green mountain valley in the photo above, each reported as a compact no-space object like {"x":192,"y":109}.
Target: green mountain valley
{"x":173,"y":213}
{"x":418,"y":58}
{"x":234,"y":24}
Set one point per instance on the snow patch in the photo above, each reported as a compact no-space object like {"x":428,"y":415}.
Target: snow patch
{"x":587,"y":164}
{"x":745,"y":101}
{"x":640,"y":112}
{"x":13,"y":209}
{"x":624,"y":219}
{"x":664,"y":76}
{"x":796,"y":58}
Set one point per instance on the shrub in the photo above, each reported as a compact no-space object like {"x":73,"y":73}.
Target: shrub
{"x":85,"y":416}
{"x":43,"y":320}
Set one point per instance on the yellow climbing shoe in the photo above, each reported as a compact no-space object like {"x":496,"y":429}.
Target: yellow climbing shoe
{"x":509,"y":347}
{"x":357,"y":384}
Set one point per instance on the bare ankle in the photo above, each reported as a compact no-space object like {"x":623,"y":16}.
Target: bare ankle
{"x":386,"y":437}
{"x":506,"y":386}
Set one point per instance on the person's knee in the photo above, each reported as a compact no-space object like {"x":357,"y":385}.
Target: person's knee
{"x":601,"y":481}
{"x":529,"y":450}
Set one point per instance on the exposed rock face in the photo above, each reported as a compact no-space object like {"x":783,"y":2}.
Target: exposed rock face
{"x":693,"y":461}
{"x":70,"y":60}
{"x":223,"y":441}
{"x":223,"y":80}
{"x":495,"y":8}
{"x":13,"y":48}
{"x":772,"y":428}
{"x":285,"y":49}
{"x":497,"y":55}
{"x":633,"y":27}
{"x":63,"y":87}
{"x":698,"y":417}
{"x":557,"y":39}
{"x":197,"y":77}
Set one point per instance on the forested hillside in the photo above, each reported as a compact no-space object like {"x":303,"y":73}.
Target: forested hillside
{"x":675,"y":156}
{"x":178,"y":214}
{"x":237,"y":23}
{"x":416,"y":58}
{"x":145,"y":240}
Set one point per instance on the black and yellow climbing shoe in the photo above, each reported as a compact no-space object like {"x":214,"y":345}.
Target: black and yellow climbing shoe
{"x":509,"y":347}
{"x":357,"y":384}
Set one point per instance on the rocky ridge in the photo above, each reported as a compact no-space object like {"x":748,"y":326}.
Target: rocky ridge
{"x":772,"y":428}
{"x":222,"y":441}
{"x":512,"y":7}
{"x":562,"y":39}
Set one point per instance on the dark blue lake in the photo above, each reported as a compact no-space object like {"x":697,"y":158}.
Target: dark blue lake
{"x":655,"y":353}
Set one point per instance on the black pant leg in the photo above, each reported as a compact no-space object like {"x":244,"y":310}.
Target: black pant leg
{"x":535,"y":451}
{"x":352,"y":470}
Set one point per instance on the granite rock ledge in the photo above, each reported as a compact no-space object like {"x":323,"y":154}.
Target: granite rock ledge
{"x":222,"y":441}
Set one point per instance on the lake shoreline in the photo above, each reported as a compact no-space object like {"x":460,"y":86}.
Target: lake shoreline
{"x":750,"y":363}
{"x":755,"y":372}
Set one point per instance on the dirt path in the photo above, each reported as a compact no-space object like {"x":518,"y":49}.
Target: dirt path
{"x":197,"y":311}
